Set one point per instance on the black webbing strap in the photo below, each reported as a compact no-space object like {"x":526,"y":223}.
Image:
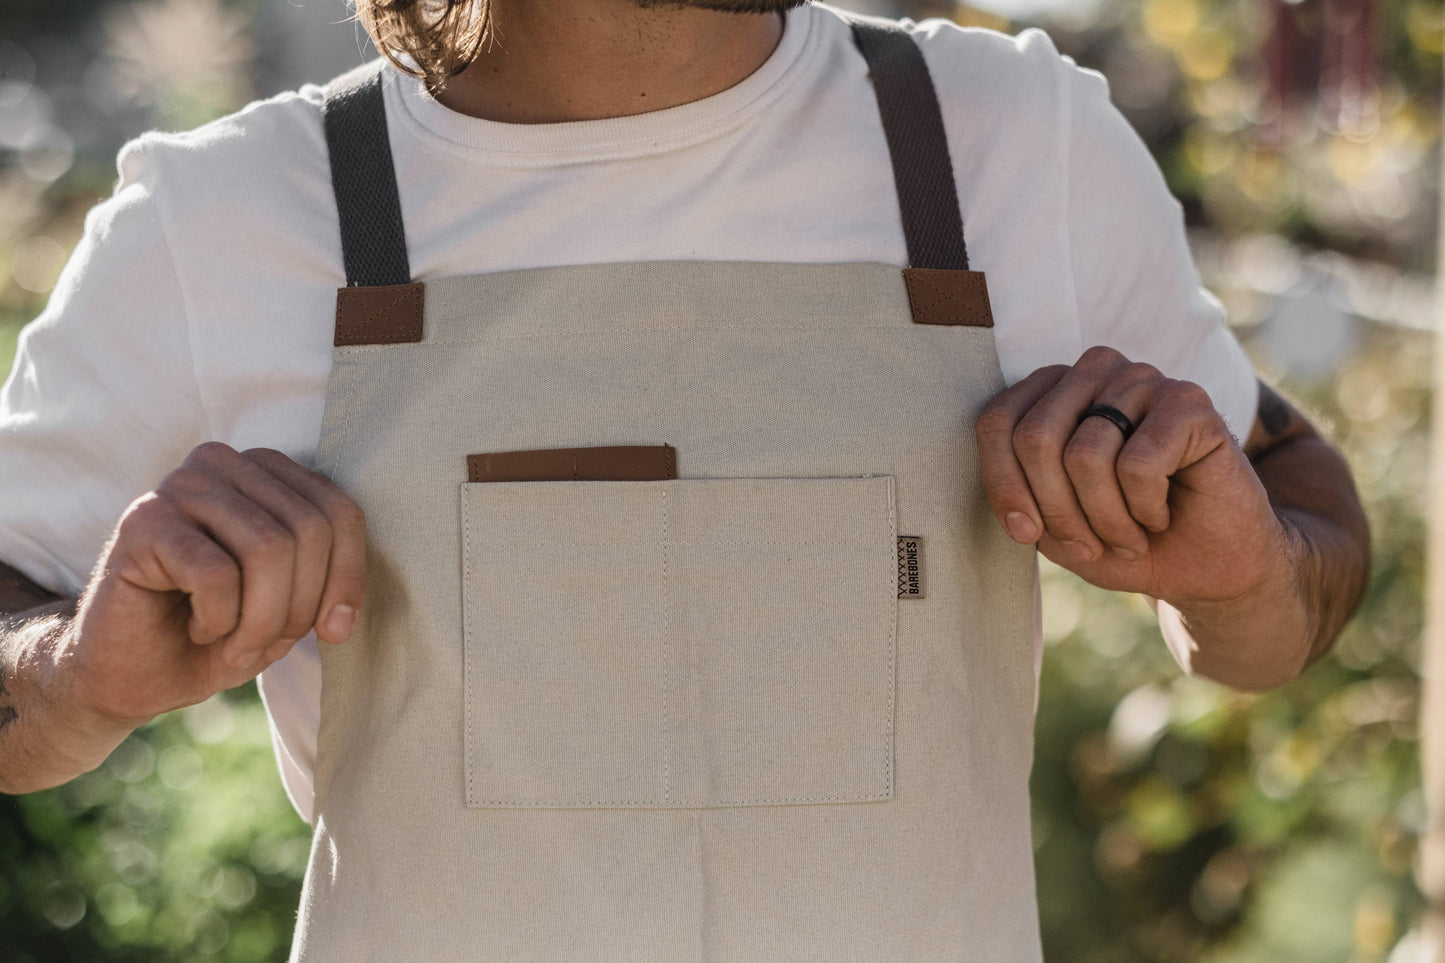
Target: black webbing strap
{"x":913,"y":125}
{"x":373,"y":240}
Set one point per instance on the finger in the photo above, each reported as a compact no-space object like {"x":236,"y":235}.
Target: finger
{"x":164,"y":551}
{"x":259,"y":542}
{"x":1003,"y":478}
{"x":345,"y":589}
{"x":278,"y":649}
{"x":1039,"y":441}
{"x":1181,"y":427}
{"x":1089,"y":461}
{"x":309,"y":527}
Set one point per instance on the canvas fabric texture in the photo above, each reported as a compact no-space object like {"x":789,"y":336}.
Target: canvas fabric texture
{"x":760,"y":754}
{"x":693,"y":717}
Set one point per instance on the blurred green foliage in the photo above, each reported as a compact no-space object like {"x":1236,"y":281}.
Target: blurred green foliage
{"x":181,"y":845}
{"x":1174,"y":819}
{"x":1177,"y":819}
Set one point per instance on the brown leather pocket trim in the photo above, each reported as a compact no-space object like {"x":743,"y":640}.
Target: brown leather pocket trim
{"x":594,"y":463}
{"x":379,"y":314}
{"x":939,"y":296}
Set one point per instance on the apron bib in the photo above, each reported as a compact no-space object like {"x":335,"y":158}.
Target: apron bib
{"x":689,"y":634}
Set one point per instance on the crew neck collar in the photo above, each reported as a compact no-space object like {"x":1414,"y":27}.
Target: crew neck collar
{"x":528,"y":145}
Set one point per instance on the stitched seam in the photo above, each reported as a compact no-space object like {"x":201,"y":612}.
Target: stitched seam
{"x":940,"y":292}
{"x":892,"y":645}
{"x":689,"y":804}
{"x":359,"y":328}
{"x":666,"y":681}
{"x":674,"y":327}
{"x":915,"y":308}
{"x":752,"y":542}
{"x":943,"y":293}
{"x":667,"y":802}
{"x":466,"y":649}
{"x":898,"y":541}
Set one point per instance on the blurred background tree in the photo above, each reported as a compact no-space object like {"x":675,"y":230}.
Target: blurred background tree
{"x":1174,"y":819}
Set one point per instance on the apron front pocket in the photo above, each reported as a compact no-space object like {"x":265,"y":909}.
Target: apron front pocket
{"x":690,"y":642}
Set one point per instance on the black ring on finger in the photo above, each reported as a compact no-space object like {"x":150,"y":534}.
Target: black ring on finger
{"x":1120,"y":420}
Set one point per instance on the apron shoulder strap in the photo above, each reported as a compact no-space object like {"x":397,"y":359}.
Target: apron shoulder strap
{"x":941,"y":288}
{"x":382,"y":304}
{"x":913,"y":125}
{"x":373,"y":240}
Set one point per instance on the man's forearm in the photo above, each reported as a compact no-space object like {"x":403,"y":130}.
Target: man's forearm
{"x":45,"y":740}
{"x":1266,"y":639}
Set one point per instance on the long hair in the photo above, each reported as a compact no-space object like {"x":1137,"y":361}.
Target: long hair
{"x":441,"y":36}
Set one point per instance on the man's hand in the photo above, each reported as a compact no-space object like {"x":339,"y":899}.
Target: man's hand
{"x":1175,"y":512}
{"x":1261,"y":567}
{"x":209,"y":579}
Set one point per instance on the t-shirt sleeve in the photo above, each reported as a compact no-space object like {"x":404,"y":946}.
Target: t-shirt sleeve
{"x":102,"y":401}
{"x":1135,"y":281}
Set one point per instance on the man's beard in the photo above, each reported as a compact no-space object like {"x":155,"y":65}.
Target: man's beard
{"x":727,"y":6}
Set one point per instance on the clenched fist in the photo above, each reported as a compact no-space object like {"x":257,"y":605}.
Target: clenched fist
{"x":1174,"y":511}
{"x":210,"y":578}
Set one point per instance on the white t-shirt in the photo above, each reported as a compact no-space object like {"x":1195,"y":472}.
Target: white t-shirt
{"x":200,"y":302}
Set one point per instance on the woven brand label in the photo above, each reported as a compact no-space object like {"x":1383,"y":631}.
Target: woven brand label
{"x":910,"y":567}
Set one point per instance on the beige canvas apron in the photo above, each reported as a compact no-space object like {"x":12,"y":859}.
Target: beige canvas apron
{"x":708,"y":702}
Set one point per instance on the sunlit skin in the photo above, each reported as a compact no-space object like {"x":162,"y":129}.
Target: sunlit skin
{"x":1256,"y":552}
{"x":562,"y":60}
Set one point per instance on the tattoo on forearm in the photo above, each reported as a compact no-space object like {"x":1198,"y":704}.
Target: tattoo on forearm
{"x":7,"y":711}
{"x":1274,"y":411}
{"x":19,"y":595}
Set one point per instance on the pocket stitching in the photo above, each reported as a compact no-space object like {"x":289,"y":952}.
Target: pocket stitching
{"x":887,"y":790}
{"x":466,"y":649}
{"x":666,"y":681}
{"x":892,"y":646}
{"x":681,"y":803}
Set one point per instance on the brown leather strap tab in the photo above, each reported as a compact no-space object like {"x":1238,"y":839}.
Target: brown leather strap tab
{"x":380,"y":314}
{"x":596,"y":463}
{"x":940,"y":296}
